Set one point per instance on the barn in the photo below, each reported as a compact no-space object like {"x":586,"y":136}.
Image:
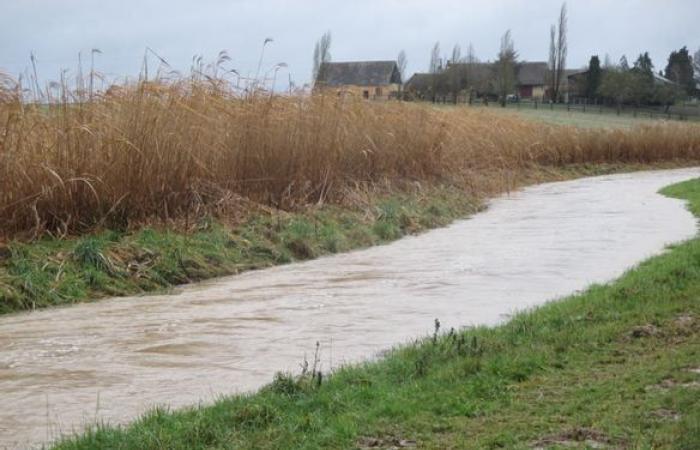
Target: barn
{"x":372,"y":80}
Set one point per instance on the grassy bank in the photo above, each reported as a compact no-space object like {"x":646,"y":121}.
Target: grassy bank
{"x":615,"y":366}
{"x":51,"y":271}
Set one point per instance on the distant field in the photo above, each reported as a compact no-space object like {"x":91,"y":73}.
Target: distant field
{"x":590,"y":119}
{"x":577,"y":118}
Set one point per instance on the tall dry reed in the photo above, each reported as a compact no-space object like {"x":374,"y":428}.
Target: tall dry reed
{"x":169,"y":150}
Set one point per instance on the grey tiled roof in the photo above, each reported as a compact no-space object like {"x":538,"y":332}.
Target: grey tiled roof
{"x":420,"y":81}
{"x":528,"y":73}
{"x":532,"y":73}
{"x":359,"y":73}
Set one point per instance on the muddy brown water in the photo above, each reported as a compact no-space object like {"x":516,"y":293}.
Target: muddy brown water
{"x":63,"y":368}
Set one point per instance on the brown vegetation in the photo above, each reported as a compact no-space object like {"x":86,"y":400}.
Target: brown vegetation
{"x":179,"y":149}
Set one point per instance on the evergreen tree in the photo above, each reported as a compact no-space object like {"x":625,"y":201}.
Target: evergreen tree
{"x":644,"y":65}
{"x":593,"y":78}
{"x":680,"y":70}
{"x":641,"y":80}
{"x":624,"y":65}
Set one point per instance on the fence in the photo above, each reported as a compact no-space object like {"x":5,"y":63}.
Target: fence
{"x":683,"y":112}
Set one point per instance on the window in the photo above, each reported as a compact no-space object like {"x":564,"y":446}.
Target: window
{"x":365,"y":94}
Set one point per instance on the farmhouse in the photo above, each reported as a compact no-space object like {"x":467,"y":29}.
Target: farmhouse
{"x":576,"y":82}
{"x":376,"y":80}
{"x":479,"y":79}
{"x":532,"y":80}
{"x":420,"y":86}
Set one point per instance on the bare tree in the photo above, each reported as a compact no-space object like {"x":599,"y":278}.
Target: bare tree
{"x":456,"y":54}
{"x":471,"y":55}
{"x":505,"y":68}
{"x":435,"y":60}
{"x":607,"y":62}
{"x":322,"y":53}
{"x":558,"y":49}
{"x":552,"y":63}
{"x":562,"y":48}
{"x":473,"y":82}
{"x":402,"y":62}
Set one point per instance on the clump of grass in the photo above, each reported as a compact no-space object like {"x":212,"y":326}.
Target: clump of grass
{"x":89,"y":253}
{"x":176,"y":150}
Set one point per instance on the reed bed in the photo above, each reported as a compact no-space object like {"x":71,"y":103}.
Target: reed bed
{"x":183,"y":148}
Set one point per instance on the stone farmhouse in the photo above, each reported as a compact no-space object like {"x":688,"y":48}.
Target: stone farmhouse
{"x":372,"y":80}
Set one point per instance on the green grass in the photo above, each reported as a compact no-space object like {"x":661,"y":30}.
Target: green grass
{"x":51,"y":272}
{"x":614,"y":365}
{"x":560,"y":116}
{"x":580,"y":119}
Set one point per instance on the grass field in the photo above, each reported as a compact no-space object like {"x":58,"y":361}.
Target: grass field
{"x":591,"y":119}
{"x":578,"y":119}
{"x":616,"y":366}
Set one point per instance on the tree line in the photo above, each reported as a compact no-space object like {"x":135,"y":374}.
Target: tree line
{"x":464,"y":75}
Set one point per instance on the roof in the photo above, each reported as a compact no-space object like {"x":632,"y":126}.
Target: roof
{"x":528,"y":73}
{"x":532,"y":73}
{"x":359,"y":73}
{"x":420,"y":80}
{"x":475,"y":70}
{"x":659,"y":79}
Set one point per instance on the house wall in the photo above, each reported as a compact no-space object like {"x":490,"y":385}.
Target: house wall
{"x":529,"y":91}
{"x":369,"y":92}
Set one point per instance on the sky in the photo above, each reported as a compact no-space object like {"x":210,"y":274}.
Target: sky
{"x":56,"y":31}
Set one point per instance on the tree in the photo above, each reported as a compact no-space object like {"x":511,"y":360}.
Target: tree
{"x":607,"y":62}
{"x":435,"y":61}
{"x":505,"y":68}
{"x":641,"y":80}
{"x":552,"y":62}
{"x":624,"y":65}
{"x":666,"y":94}
{"x":322,"y":53}
{"x":558,"y":49}
{"x":680,"y":70}
{"x":472,"y":59}
{"x":456,"y":54}
{"x":644,"y":65}
{"x":593,"y":77}
{"x":402,"y":62}
{"x":615,"y":86}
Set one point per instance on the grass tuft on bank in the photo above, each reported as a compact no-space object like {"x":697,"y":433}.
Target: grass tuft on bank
{"x":617,"y":366}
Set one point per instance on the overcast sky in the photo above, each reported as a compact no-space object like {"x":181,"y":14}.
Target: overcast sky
{"x":56,"y":30}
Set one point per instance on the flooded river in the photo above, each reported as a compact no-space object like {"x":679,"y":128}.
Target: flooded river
{"x":111,"y":360}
